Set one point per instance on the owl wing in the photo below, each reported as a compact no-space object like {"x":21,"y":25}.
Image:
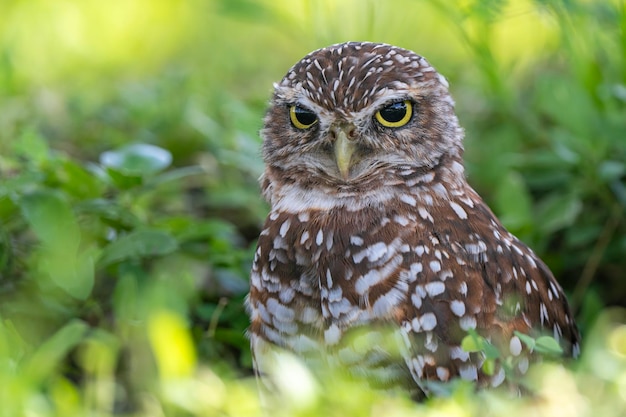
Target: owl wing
{"x":470,"y":273}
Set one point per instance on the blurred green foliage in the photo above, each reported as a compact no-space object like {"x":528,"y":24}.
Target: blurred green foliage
{"x":129,"y":206}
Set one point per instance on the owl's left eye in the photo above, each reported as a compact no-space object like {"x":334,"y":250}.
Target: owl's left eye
{"x":301,"y":117}
{"x":395,"y":114}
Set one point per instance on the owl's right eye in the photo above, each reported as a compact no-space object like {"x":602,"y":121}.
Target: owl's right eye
{"x":395,"y":114}
{"x":301,"y":117}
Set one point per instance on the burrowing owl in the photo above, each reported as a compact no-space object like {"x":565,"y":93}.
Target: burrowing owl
{"x":373,"y":225}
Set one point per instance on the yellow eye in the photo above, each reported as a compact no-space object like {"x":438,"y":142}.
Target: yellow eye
{"x":396,"y":114}
{"x":302,"y":118}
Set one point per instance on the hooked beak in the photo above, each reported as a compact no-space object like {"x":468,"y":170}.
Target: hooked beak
{"x":344,"y":148}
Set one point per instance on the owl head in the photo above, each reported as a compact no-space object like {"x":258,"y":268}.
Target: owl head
{"x":356,"y":117}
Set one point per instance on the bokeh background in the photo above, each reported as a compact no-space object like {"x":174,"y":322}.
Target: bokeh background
{"x":129,"y":204}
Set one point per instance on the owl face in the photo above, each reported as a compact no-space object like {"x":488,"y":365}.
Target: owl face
{"x":358,"y":116}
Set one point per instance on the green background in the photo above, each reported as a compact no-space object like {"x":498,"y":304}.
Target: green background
{"x":129,"y":204}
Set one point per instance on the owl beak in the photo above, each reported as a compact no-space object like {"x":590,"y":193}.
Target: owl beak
{"x":344,"y":148}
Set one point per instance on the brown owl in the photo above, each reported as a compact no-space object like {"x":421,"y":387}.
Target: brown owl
{"x":373,"y":226}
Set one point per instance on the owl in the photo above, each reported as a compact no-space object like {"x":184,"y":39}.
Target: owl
{"x":377,"y":255}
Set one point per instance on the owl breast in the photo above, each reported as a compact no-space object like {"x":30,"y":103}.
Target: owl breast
{"x":320,"y":276}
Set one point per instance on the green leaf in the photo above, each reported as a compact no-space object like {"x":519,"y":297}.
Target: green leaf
{"x":513,"y":202}
{"x":53,"y":351}
{"x":475,"y":343}
{"x":491,"y":352}
{"x":567,"y":103}
{"x":558,"y":211}
{"x":583,"y":235}
{"x":137,"y":159}
{"x":109,"y":211}
{"x":122,"y":180}
{"x":527,"y":340}
{"x":548,"y":345}
{"x":471,"y":342}
{"x":543,"y":344}
{"x":489,"y":366}
{"x":73,"y":272}
{"x":76,"y":180}
{"x":176,"y":174}
{"x":611,"y":170}
{"x":51,"y":218}
{"x":566,"y":145}
{"x":32,"y":146}
{"x":12,"y":345}
{"x":232,"y":337}
{"x":138,"y":244}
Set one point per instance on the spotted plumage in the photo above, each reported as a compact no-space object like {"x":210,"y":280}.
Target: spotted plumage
{"x":373,"y":229}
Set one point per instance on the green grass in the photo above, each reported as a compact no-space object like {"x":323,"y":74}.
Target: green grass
{"x":129,"y":205}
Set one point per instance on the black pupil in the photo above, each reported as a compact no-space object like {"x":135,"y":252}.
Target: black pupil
{"x":394,"y":112}
{"x":304,"y":116}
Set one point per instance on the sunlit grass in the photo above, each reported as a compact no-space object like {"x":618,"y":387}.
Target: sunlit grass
{"x":67,"y":40}
{"x":34,"y":387}
{"x":51,"y":41}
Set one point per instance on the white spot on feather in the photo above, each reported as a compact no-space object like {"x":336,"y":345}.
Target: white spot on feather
{"x":456,"y":352}
{"x":401,"y":220}
{"x":427,"y":322}
{"x":458,"y":210}
{"x":424,"y":214}
{"x":498,"y":378}
{"x":468,"y":372}
{"x":284,"y":228}
{"x":434,"y":288}
{"x":515,"y":346}
{"x":309,"y":315}
{"x":435,"y":266}
{"x":416,"y":300}
{"x":523,"y":365}
{"x":373,"y":252}
{"x":332,"y":335}
{"x":557,"y":332}
{"x":418,"y":366}
{"x":375,"y":276}
{"x":415,"y":269}
{"x":384,"y":304}
{"x":468,"y":322}
{"x":408,"y":199}
{"x":286,"y":295}
{"x":304,"y":237}
{"x":356,"y":240}
{"x":457,"y":307}
{"x":319,"y":238}
{"x":463,"y":288}
{"x":443,"y":373}
{"x":340,"y":307}
{"x":279,"y":311}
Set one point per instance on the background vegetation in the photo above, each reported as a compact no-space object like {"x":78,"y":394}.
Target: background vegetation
{"x":129,"y":206}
